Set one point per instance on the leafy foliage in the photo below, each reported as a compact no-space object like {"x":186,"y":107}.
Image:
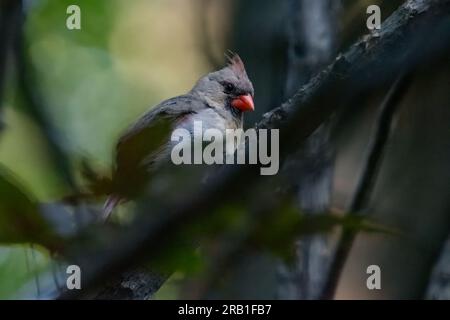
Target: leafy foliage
{"x":278,"y":232}
{"x":20,"y":220}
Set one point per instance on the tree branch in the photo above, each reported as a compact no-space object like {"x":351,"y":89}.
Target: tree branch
{"x":368,"y":177}
{"x":416,"y":33}
{"x":312,"y":35}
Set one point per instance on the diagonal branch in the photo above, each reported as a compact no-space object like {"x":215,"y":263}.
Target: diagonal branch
{"x":416,"y":33}
{"x":375,"y":154}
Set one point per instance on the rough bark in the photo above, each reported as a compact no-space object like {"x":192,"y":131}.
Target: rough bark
{"x":135,"y":284}
{"x":369,"y":64}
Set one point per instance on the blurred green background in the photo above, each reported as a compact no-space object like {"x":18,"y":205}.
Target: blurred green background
{"x":128,"y":56}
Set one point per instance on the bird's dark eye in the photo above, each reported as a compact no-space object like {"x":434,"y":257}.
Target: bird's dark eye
{"x":228,"y":87}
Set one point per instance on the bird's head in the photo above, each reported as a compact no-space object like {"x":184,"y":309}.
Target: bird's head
{"x":228,"y":88}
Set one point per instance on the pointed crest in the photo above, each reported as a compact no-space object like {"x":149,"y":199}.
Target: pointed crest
{"x":235,"y":63}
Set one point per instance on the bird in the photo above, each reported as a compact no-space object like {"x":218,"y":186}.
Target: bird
{"x":218,"y":99}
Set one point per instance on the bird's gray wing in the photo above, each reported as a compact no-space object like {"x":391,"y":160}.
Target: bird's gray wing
{"x":148,"y":135}
{"x":171,"y":109}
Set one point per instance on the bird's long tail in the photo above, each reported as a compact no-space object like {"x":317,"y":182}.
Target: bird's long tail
{"x":110,"y":204}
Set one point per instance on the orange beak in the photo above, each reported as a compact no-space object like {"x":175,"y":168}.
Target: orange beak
{"x":244,"y":103}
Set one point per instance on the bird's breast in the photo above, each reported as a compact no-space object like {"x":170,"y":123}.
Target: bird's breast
{"x":207,"y":119}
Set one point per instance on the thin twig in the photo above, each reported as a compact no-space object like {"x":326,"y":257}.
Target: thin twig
{"x":368,"y":177}
{"x":358,"y":70}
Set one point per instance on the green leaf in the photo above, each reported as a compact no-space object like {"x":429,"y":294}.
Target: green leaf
{"x":278,"y":232}
{"x":20,"y":220}
{"x":19,"y":267}
{"x":181,"y":256}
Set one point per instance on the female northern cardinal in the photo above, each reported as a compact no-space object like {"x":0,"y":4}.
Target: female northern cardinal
{"x":218,"y":100}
